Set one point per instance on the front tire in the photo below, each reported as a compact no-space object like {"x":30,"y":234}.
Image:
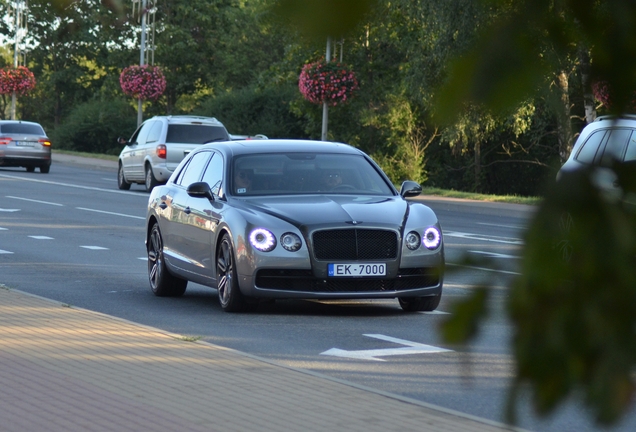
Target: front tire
{"x":230,"y":296}
{"x":420,"y":304}
{"x":121,"y":178}
{"x":162,"y":283}
{"x":151,"y":181}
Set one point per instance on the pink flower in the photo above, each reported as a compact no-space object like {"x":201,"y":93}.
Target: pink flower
{"x":331,"y":82}
{"x":19,"y":80}
{"x":142,"y":82}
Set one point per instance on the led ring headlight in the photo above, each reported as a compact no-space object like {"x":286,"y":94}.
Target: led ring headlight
{"x":262,"y":240}
{"x":432,"y":238}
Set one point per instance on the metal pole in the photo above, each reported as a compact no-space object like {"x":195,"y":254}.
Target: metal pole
{"x":325,"y":109}
{"x":142,"y":49}
{"x":18,"y":7}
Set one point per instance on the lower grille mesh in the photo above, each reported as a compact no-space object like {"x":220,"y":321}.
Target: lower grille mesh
{"x":304,"y":280}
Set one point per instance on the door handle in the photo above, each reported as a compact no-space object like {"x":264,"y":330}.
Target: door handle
{"x":163,"y":206}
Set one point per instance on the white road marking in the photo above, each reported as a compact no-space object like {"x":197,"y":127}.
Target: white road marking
{"x":495,"y":255}
{"x":9,"y":210}
{"x":495,"y":239}
{"x":5,"y":252}
{"x":410,"y":348}
{"x":94,"y":247}
{"x":484,"y":269}
{"x":116,"y":191}
{"x":143,"y":258}
{"x":41,"y":237}
{"x":436,"y":312}
{"x":36,"y":201}
{"x":110,"y":213}
{"x":501,"y":226}
{"x":4,"y":229}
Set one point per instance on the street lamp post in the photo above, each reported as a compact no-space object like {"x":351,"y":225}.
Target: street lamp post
{"x":142,"y":52}
{"x":20,"y":28}
{"x":325,"y":109}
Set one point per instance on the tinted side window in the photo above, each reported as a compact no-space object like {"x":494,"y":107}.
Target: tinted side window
{"x":21,"y":128}
{"x":630,"y":154}
{"x":143,"y":133}
{"x":193,"y":171}
{"x":214,"y":173}
{"x":616,"y":144}
{"x":195,"y":134}
{"x":155,"y":132}
{"x":590,"y":147}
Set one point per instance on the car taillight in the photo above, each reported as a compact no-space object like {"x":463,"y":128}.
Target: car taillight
{"x":5,"y":140}
{"x":162,"y":151}
{"x":44,"y":142}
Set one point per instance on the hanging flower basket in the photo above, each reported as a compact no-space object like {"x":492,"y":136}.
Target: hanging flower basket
{"x":603,"y":93}
{"x":19,"y":80}
{"x":329,"y":82}
{"x":143,"y":82}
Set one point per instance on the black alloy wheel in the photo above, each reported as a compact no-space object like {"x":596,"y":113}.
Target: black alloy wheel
{"x":230,"y":296}
{"x":162,"y":283}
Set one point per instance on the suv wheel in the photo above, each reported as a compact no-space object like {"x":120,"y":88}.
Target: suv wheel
{"x":151,"y":181}
{"x":121,"y":178}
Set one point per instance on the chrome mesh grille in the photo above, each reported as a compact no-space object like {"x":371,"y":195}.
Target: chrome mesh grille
{"x":355,"y":244}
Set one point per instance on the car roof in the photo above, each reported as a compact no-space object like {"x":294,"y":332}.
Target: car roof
{"x":238,"y":148}
{"x":18,"y":121}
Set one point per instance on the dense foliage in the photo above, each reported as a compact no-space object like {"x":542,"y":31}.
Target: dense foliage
{"x":224,"y":53}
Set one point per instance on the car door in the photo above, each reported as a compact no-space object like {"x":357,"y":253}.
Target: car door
{"x":203,"y":222}
{"x":180,"y":239}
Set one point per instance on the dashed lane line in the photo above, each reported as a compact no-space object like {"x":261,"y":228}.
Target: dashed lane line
{"x":36,"y":201}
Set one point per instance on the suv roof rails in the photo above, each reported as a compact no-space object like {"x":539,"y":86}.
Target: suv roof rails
{"x":190,"y":116}
{"x":622,"y":116}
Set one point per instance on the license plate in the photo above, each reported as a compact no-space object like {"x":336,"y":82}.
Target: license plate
{"x":25,"y":143}
{"x":357,"y":269}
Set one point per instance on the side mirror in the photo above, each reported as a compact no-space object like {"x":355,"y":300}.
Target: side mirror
{"x":410,"y":189}
{"x":122,"y":140}
{"x":200,"y":190}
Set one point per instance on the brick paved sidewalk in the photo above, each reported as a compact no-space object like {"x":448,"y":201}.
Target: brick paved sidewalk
{"x":69,"y":369}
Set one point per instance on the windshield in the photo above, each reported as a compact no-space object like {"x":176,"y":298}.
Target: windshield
{"x":306,"y":173}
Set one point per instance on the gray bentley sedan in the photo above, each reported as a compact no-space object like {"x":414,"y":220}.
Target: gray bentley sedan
{"x":280,"y":219}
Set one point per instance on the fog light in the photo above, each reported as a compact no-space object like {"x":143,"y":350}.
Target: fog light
{"x":412,"y":240}
{"x":290,"y":242}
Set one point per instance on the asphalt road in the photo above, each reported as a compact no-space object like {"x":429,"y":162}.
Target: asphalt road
{"x":72,"y":236}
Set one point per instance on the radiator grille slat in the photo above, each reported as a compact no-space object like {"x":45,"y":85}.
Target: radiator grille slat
{"x":355,"y":244}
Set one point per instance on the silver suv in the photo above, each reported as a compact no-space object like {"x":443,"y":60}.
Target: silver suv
{"x":601,"y":142}
{"x":160,"y":143}
{"x":24,"y":144}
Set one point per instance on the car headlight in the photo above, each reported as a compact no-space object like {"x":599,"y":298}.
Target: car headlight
{"x":432,"y":238}
{"x":290,"y":242}
{"x":412,"y":240}
{"x":262,"y":240}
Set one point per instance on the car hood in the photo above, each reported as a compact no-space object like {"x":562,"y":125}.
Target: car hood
{"x":332,"y":210}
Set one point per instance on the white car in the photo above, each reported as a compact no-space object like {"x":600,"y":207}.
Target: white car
{"x":605,"y":140}
{"x":157,"y":147}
